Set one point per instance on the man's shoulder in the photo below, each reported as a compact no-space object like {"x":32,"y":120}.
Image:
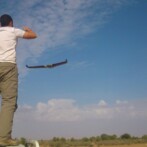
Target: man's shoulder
{"x":16,"y":32}
{"x":8,"y":29}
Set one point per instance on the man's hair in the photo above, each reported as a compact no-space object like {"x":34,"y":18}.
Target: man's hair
{"x":5,"y":20}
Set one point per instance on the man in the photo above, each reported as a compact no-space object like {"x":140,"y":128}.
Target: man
{"x":9,"y":75}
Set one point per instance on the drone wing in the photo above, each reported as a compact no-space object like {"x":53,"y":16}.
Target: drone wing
{"x":48,"y":65}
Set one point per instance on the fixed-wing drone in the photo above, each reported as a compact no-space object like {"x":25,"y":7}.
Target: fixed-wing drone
{"x":48,"y":65}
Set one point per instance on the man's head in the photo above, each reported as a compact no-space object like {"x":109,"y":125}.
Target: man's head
{"x":6,"y":20}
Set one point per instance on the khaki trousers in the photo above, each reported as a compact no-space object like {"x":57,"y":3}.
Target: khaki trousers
{"x":8,"y":90}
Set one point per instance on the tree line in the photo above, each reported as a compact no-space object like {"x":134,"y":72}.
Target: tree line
{"x":103,"y":139}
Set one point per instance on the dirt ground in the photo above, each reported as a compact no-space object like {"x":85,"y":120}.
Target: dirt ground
{"x":131,"y":145}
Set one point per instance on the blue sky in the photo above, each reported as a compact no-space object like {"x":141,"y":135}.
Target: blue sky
{"x":102,"y":89}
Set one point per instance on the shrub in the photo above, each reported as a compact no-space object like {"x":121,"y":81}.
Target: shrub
{"x":125,"y":136}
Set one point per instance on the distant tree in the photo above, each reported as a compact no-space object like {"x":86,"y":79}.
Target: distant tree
{"x":72,"y":139}
{"x":92,"y":139}
{"x":62,"y":139}
{"x":113,"y":137}
{"x":55,"y":139}
{"x":125,"y":136}
{"x":108,"y":137}
{"x":85,"y":139}
{"x":98,"y":138}
{"x":144,"y":137}
{"x":105,"y":137}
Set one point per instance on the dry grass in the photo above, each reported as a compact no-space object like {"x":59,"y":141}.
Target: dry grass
{"x":105,"y":143}
{"x":130,"y":145}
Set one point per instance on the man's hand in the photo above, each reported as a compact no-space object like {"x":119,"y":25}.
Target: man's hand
{"x":29,"y":34}
{"x":26,"y":28}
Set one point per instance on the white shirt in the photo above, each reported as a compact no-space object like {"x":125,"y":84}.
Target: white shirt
{"x":8,"y":42}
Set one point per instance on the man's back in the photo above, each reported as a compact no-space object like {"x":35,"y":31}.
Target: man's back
{"x":8,"y":42}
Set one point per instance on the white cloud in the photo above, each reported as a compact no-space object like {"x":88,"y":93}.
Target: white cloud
{"x":57,"y":115}
{"x":102,"y":103}
{"x":57,"y":110}
{"x":119,"y":102}
{"x":62,"y":110}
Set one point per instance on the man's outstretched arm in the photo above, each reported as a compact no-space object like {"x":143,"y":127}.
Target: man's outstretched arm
{"x":29,"y":34}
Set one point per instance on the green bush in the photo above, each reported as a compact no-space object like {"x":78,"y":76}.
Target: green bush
{"x":125,"y":136}
{"x":22,"y":141}
{"x":144,"y":137}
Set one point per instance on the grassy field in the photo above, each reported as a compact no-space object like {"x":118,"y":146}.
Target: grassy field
{"x":130,"y":145}
{"x":99,"y":141}
{"x":94,"y":145}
